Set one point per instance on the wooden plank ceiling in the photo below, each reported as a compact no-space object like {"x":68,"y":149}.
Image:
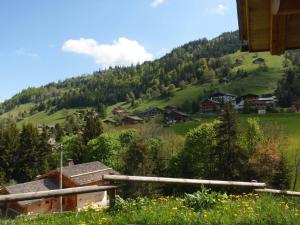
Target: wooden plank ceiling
{"x":269,"y":25}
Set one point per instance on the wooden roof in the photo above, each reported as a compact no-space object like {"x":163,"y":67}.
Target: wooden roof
{"x":83,"y":174}
{"x":269,"y":25}
{"x":34,"y":186}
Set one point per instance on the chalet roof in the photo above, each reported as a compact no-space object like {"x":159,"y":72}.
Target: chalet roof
{"x":269,"y":25}
{"x":45,"y":184}
{"x":176,"y":112}
{"x":87,"y":173}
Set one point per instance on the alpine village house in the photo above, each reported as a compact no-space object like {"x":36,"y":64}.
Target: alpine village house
{"x":72,"y":176}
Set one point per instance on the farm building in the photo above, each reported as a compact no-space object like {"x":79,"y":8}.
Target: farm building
{"x":210,"y":106}
{"x":73,"y":176}
{"x":271,"y":25}
{"x":132,"y":120}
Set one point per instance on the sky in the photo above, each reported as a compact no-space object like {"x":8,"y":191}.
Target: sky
{"x":46,"y":41}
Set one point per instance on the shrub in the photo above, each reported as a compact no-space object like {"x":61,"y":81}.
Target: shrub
{"x":203,"y":199}
{"x":126,"y":137}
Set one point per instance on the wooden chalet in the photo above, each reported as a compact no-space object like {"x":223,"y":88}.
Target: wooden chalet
{"x":132,"y":120}
{"x":210,"y":106}
{"x":175,"y":116}
{"x":73,"y":176}
{"x":269,"y":25}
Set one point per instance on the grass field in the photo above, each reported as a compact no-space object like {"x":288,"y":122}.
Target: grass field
{"x":246,"y":209}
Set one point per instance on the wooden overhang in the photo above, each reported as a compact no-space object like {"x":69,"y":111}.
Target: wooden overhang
{"x":269,"y":25}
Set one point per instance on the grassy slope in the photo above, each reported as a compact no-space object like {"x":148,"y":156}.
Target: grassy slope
{"x":17,"y":110}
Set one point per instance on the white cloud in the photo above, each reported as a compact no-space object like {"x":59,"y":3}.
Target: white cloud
{"x":122,"y":52}
{"x":156,"y":3}
{"x":24,"y":52}
{"x":219,"y":9}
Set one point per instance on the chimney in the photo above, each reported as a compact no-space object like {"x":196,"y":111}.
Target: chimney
{"x":70,"y":162}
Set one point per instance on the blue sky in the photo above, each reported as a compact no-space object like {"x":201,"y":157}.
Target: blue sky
{"x":45,"y":41}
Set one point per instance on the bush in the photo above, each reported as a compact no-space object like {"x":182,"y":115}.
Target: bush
{"x":201,"y":200}
{"x":126,"y":137}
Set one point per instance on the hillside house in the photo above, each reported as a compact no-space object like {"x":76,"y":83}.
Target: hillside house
{"x":210,"y":106}
{"x":73,"y":176}
{"x":174,"y":116}
{"x":151,"y":113}
{"x":131,"y":120}
{"x":244,"y":100}
{"x":262,"y":103}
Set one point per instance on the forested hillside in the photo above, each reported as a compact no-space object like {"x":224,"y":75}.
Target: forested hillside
{"x":196,"y":62}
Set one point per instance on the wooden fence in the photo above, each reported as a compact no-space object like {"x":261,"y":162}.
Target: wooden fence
{"x":165,"y":180}
{"x":58,"y":193}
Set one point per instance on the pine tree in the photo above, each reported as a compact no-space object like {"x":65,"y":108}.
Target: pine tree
{"x":281,"y":179}
{"x":93,"y":127}
{"x":228,"y":154}
{"x":27,"y":157}
{"x":9,"y":143}
{"x":44,"y":150}
{"x":59,"y":132}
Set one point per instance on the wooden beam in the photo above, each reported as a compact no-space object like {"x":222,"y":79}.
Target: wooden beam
{"x":277,"y":34}
{"x":285,"y":7}
{"x":165,"y":180}
{"x":279,"y":192}
{"x":242,"y":18}
{"x":54,"y":193}
{"x":247,"y":24}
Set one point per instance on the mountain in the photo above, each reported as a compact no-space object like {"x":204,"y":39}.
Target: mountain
{"x":188,"y":72}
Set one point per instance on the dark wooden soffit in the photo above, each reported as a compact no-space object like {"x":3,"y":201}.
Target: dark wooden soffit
{"x":269,"y":25}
